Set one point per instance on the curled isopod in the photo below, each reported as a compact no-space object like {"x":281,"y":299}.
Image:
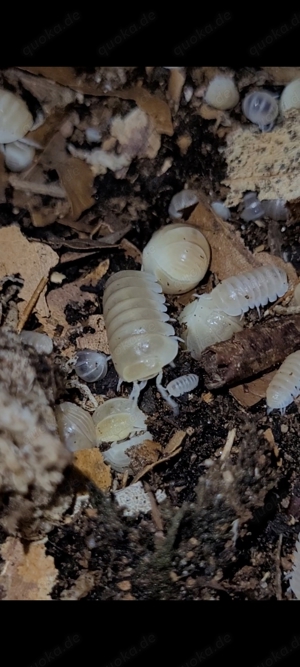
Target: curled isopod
{"x":115,"y":456}
{"x":261,"y":108}
{"x":290,"y":97}
{"x":182,"y":200}
{"x":183,"y":384}
{"x":251,"y":289}
{"x":75,"y":426}
{"x":141,"y":340}
{"x":91,"y":365}
{"x":15,"y":119}
{"x":222,"y":93}
{"x":42,"y":343}
{"x":253,"y":208}
{"x":203,"y":325}
{"x":178,"y":255}
{"x":17,"y":155}
{"x":221,"y":210}
{"x":275,"y":209}
{"x":117,"y":418}
{"x":285,"y":385}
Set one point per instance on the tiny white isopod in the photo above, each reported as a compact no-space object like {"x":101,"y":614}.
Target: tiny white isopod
{"x":91,"y":365}
{"x":180,"y":201}
{"x":178,"y":255}
{"x":261,"y":108}
{"x":17,"y":155}
{"x":235,"y":295}
{"x":115,"y":456}
{"x":204,"y":325}
{"x":117,"y":418}
{"x":75,"y":426}
{"x":221,"y":210}
{"x":253,"y":208}
{"x":15,"y":118}
{"x":275,"y":209}
{"x":141,"y":340}
{"x":183,"y":384}
{"x":42,"y":343}
{"x":285,"y":385}
{"x":222,"y":93}
{"x":290,"y":97}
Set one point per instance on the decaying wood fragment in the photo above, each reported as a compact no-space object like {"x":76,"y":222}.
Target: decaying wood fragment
{"x":251,"y":351}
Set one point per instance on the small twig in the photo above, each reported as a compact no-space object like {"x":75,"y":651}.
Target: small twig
{"x":31,"y":303}
{"x":228,"y":444}
{"x":37,"y":188}
{"x":156,"y":516}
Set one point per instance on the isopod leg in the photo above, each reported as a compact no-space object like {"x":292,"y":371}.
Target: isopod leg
{"x":136,"y":390}
{"x":166,"y":396}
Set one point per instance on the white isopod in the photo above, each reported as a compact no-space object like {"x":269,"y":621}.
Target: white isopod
{"x":183,"y":384}
{"x":275,"y":209}
{"x":261,"y":108}
{"x":42,"y":343}
{"x":115,"y":456}
{"x":18,"y":156}
{"x":222,"y":93}
{"x":235,"y":295}
{"x":290,"y":97}
{"x":221,"y":210}
{"x":117,"y":418}
{"x":75,"y":426}
{"x":285,"y":385}
{"x":141,"y":340}
{"x":178,"y":255}
{"x":180,"y":201}
{"x":15,"y":119}
{"x":204,"y":325}
{"x":91,"y":365}
{"x":253,"y":207}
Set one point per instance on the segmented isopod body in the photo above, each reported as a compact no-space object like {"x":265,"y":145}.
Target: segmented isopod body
{"x":141,"y":340}
{"x":117,"y":418}
{"x":180,"y":201}
{"x":183,"y":384}
{"x":285,"y":385}
{"x":178,"y":255}
{"x":290,"y":97}
{"x":275,"y":209}
{"x":261,"y":108}
{"x":75,"y":426}
{"x":253,"y":208}
{"x":15,"y":119}
{"x":252,"y":289}
{"x":91,"y":365}
{"x":204,"y":325}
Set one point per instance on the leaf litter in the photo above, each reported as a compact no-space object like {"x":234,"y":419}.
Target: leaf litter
{"x":88,"y":210}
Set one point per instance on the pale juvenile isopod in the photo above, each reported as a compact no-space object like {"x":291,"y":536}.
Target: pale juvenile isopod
{"x":141,"y":340}
{"x":42,"y":343}
{"x":203,"y":325}
{"x":253,"y":208}
{"x":221,"y":210}
{"x":261,"y":108}
{"x":183,"y":384}
{"x":15,"y":119}
{"x":115,"y":456}
{"x":290,"y":97}
{"x":178,"y":255}
{"x":182,"y":200}
{"x":17,"y":155}
{"x":117,"y":418}
{"x":235,"y":295}
{"x":222,"y":93}
{"x":91,"y":365}
{"x":75,"y":426}
{"x":285,"y":385}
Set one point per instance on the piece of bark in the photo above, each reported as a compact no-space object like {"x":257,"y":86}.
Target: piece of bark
{"x":250,"y":352}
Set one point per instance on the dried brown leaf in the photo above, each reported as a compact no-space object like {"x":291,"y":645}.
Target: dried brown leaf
{"x":31,"y":259}
{"x":175,"y":85}
{"x":252,"y":392}
{"x":143,"y":455}
{"x":28,"y":574}
{"x":41,"y":215}
{"x":75,"y":175}
{"x":90,"y":463}
{"x":153,"y":465}
{"x":83,"y":585}
{"x":66,"y":76}
{"x":153,"y":105}
{"x":48,"y":93}
{"x":283,"y":75}
{"x":174,"y":442}
{"x":131,"y":250}
{"x":43,"y":134}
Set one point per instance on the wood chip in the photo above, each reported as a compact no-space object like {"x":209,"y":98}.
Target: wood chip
{"x":89,"y":462}
{"x":174,"y":442}
{"x":283,"y":75}
{"x":264,"y":161}
{"x":28,"y":574}
{"x":228,"y":444}
{"x":31,"y":259}
{"x":124,"y":585}
{"x":82,"y":586}
{"x":153,"y":105}
{"x":252,"y":392}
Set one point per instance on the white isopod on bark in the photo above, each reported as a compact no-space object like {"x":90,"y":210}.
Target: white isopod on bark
{"x":222,"y":93}
{"x":141,"y":340}
{"x":203,"y":325}
{"x":285,"y":385}
{"x":183,"y":384}
{"x":91,"y":365}
{"x":15,"y":119}
{"x":261,"y":108}
{"x":178,"y":255}
{"x":235,"y":295}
